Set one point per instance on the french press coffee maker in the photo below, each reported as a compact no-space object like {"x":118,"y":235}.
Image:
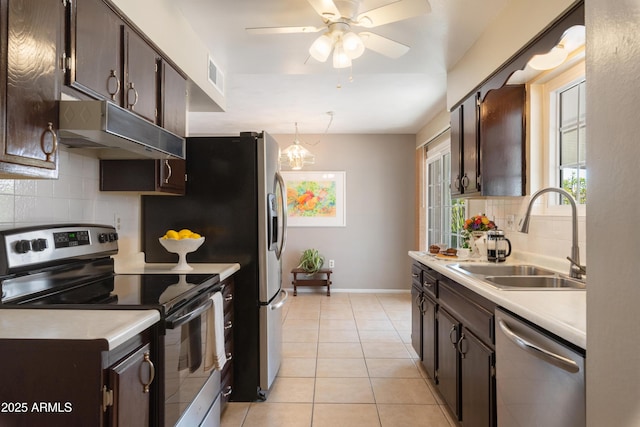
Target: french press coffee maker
{"x":498,"y":246}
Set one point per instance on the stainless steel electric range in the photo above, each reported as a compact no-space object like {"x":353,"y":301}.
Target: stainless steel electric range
{"x":69,"y":266}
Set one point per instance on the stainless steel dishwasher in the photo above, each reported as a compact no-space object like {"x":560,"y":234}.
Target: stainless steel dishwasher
{"x":539,"y":379}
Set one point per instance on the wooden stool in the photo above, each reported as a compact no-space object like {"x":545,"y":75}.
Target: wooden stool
{"x":311,"y":280}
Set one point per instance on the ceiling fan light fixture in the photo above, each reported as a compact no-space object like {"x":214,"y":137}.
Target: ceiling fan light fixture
{"x":352,"y":45}
{"x":340,"y":57}
{"x":549,"y":60}
{"x":321,"y":48}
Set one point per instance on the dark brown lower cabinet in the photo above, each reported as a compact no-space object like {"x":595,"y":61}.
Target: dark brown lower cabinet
{"x":429,"y":341}
{"x":448,"y":360}
{"x":130,"y":381}
{"x":226,"y":381}
{"x":416,"y":319}
{"x":478,"y":381}
{"x":60,"y":383}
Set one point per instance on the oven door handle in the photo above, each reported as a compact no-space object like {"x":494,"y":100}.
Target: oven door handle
{"x":196,"y":312}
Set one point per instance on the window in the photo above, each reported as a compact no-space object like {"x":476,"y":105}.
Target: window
{"x":571,"y":141}
{"x":445,"y":216}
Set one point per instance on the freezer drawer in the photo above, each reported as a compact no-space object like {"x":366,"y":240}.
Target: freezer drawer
{"x":540,"y":380}
{"x":271,"y":340}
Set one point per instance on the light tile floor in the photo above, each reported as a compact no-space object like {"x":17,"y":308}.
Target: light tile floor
{"x":347,"y":361}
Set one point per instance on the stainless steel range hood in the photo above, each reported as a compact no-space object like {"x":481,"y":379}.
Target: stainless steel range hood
{"x":115,"y":132}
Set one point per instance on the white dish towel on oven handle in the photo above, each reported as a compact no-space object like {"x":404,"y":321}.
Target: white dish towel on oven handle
{"x":215,"y":356}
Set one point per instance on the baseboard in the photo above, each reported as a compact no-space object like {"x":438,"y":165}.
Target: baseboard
{"x":323,"y":290}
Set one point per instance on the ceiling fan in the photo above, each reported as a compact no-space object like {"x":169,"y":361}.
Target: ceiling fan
{"x":339,"y":16}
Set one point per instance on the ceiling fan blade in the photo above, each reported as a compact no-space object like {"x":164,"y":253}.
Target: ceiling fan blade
{"x":325,"y":8}
{"x":396,"y":11}
{"x":383,"y":45}
{"x":283,"y":30}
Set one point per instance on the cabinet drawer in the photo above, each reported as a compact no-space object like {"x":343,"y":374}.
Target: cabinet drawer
{"x":416,"y":275}
{"x":472,"y":312}
{"x":430,"y":283}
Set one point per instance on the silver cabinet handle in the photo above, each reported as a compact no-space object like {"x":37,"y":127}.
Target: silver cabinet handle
{"x":152,"y":373}
{"x":227,"y":391}
{"x":229,"y":356}
{"x":539,"y":352}
{"x":229,"y":297}
{"x":169,"y":171}
{"x":131,"y":105}
{"x":459,"y":346}
{"x":113,"y":78}
{"x":54,"y":141}
{"x":228,"y":325}
{"x":453,"y":341}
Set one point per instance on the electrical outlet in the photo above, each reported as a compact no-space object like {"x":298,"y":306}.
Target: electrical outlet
{"x":332,"y":263}
{"x":116,"y":221}
{"x":510,"y":221}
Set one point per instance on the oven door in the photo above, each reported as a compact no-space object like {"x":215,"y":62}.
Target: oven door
{"x":189,"y":390}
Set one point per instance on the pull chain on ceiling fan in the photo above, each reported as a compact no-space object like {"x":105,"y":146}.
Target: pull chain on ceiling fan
{"x":339,"y":16}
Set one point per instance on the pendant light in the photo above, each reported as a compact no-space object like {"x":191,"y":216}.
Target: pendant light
{"x":296,"y":155}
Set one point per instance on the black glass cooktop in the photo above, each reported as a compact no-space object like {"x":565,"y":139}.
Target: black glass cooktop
{"x":166,"y":291}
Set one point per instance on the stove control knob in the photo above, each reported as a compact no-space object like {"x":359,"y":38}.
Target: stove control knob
{"x":103,"y":237}
{"x":113,"y":237}
{"x":39,"y":245}
{"x":23,"y":246}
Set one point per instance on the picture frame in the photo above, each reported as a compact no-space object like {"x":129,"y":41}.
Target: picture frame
{"x":316,"y":198}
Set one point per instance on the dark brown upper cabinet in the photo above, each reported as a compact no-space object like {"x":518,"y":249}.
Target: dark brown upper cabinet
{"x":498,"y":131}
{"x":174,"y":100}
{"x":140,"y":76}
{"x":465,"y":148}
{"x":31,"y":49}
{"x":503,"y":148}
{"x":95,"y":50}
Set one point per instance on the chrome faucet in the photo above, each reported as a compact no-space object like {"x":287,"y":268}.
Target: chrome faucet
{"x":575,"y":270}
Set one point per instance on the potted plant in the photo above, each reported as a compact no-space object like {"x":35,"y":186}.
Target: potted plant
{"x":311,"y":261}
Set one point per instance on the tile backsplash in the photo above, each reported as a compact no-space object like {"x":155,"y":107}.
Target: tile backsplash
{"x":73,"y":198}
{"x":549,"y":235}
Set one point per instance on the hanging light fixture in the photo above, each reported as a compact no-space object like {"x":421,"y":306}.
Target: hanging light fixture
{"x":296,"y":155}
{"x":345,"y":44}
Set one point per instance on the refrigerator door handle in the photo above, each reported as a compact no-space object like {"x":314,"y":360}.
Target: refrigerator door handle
{"x":280,"y":303}
{"x":283,"y":200}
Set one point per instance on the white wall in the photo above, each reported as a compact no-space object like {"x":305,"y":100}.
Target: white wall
{"x":370,"y":253}
{"x":613,"y":297}
{"x":73,"y":198}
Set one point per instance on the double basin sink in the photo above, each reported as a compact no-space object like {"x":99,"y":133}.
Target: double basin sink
{"x":518,"y":277}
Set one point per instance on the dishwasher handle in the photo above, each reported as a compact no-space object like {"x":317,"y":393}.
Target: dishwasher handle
{"x":539,"y":352}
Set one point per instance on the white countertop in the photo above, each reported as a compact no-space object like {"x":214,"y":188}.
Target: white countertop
{"x":113,"y":326}
{"x":562,"y":312}
{"x":135,"y":264}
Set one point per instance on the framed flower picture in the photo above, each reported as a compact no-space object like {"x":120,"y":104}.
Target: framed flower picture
{"x":316,"y":199}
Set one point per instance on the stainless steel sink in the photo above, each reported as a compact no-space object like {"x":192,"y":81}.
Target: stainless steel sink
{"x":518,"y":277}
{"x":535,"y":282}
{"x":504,"y":270}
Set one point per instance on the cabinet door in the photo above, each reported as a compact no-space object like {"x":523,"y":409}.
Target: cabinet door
{"x":471,"y":149}
{"x":130,"y":380}
{"x":478,"y":381}
{"x":502,"y":128}
{"x":174,"y":100}
{"x":448,"y":362}
{"x":416,"y":320}
{"x":456,"y":151}
{"x":30,"y":79}
{"x":171,"y":179}
{"x":141,"y":69}
{"x":429,"y":341}
{"x":96,"y":66}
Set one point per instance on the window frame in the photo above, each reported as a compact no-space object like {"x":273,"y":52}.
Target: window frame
{"x":543,"y":116}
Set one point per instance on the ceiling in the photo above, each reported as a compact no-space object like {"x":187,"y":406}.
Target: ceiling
{"x":271,"y":83}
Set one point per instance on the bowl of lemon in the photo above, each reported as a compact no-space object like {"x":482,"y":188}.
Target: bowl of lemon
{"x":181,"y":242}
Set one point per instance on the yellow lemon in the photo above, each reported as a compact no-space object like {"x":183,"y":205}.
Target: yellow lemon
{"x":195,"y":236}
{"x":172,"y":234}
{"x":184,"y":233}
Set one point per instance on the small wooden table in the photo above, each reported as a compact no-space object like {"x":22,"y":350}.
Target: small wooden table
{"x":311,"y":280}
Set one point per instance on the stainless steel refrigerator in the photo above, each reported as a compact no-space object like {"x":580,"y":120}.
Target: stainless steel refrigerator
{"x":235,"y":198}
